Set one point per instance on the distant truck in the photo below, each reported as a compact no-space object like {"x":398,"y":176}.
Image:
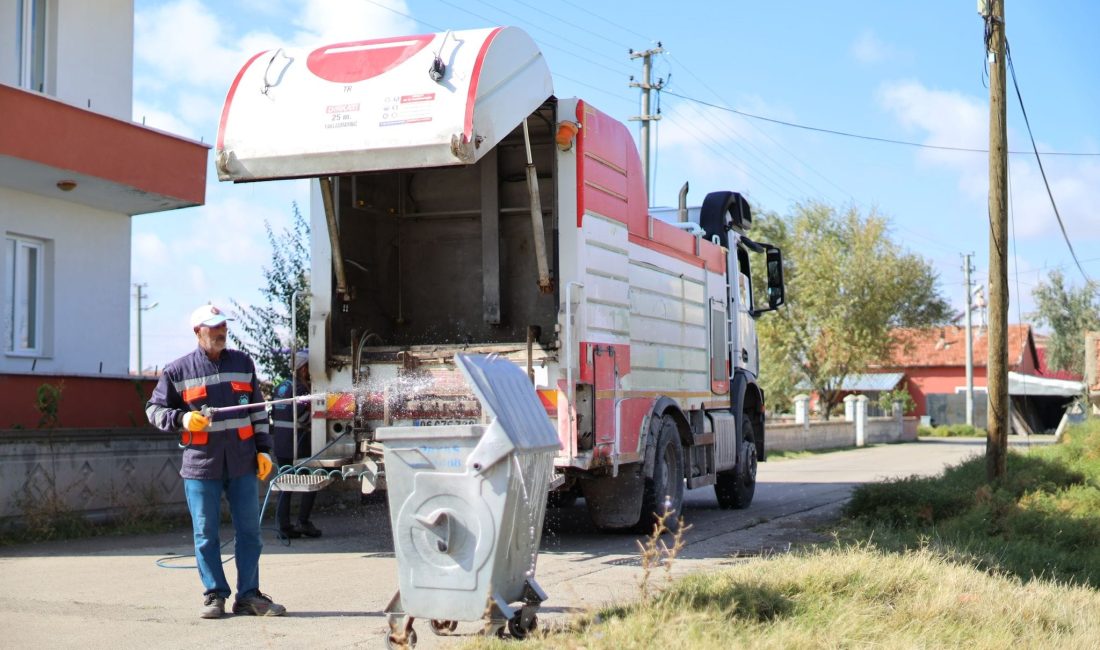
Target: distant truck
{"x":459,"y":206}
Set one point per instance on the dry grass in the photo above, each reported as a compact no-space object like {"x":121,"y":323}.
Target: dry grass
{"x":840,"y":598}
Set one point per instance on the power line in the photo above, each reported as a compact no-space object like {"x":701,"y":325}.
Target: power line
{"x":772,"y":140}
{"x":401,"y":13}
{"x":610,"y":22}
{"x":559,"y":49}
{"x":846,"y":134}
{"x":1038,"y":159}
{"x":572,"y":43}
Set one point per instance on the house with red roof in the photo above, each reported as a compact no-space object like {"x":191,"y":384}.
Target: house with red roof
{"x":933,"y":361}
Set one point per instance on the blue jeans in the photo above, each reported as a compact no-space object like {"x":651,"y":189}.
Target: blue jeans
{"x":204,"y":497}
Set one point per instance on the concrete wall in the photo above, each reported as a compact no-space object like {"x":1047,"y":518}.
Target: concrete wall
{"x":95,"y":55}
{"x":102,"y":472}
{"x":837,"y":433}
{"x":87,"y":285}
{"x":97,"y":472}
{"x":89,"y":52}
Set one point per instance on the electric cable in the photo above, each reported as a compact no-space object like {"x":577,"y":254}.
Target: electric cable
{"x":571,"y":42}
{"x":1039,"y":160}
{"x":553,"y":47}
{"x":773,"y":141}
{"x":1016,"y":273}
{"x":609,"y":22}
{"x":569,"y":23}
{"x":859,"y":136}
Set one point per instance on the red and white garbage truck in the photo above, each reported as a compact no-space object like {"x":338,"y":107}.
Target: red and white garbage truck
{"x":459,"y":206}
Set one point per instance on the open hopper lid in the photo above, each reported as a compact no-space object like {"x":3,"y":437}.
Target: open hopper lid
{"x":379,"y":104}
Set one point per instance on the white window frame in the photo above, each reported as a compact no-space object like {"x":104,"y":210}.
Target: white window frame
{"x":24,"y":305}
{"x":32,"y":44}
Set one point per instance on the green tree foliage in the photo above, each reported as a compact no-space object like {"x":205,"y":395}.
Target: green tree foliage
{"x":266,"y":328}
{"x":1069,"y":313}
{"x":847,"y":284}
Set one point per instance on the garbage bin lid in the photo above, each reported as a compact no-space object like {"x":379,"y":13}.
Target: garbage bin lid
{"x":507,"y":395}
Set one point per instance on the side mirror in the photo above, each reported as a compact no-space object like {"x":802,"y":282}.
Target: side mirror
{"x":776,"y":293}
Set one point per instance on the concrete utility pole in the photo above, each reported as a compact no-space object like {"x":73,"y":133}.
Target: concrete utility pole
{"x":645,"y":118}
{"x":996,"y":447}
{"x":969,"y":345}
{"x":139,"y":295}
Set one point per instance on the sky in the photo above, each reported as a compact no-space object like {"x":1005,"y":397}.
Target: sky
{"x":914,"y":72}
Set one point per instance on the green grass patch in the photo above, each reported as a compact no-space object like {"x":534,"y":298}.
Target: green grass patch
{"x":951,"y":431}
{"x":1041,"y":521}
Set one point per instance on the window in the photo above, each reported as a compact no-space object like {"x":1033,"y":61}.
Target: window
{"x":719,"y":349}
{"x":23,"y":294}
{"x":32,"y":45}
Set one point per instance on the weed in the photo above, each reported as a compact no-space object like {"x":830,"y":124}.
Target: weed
{"x":48,"y":404}
{"x":655,"y":552}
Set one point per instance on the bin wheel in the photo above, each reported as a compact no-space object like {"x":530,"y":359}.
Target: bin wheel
{"x":516,"y":627}
{"x":393,"y":645}
{"x":443,"y":628}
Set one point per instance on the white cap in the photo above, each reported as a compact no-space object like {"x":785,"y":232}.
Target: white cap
{"x":207,"y":315}
{"x":301,"y":358}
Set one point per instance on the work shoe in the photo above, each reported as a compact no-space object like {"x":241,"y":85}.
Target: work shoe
{"x":290,"y":531}
{"x":309,"y":530}
{"x":213,"y":606}
{"x":257,"y":604}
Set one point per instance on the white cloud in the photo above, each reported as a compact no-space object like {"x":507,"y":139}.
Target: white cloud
{"x":184,"y":41}
{"x":163,"y":120}
{"x":328,"y":21}
{"x":148,"y":249}
{"x":868,"y":49}
{"x":947,"y":118}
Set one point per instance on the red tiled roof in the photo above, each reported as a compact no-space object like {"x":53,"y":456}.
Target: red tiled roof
{"x":1044,"y":371}
{"x":946,"y":346}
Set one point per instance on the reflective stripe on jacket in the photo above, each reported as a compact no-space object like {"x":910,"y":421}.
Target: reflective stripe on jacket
{"x":227,"y":448}
{"x":282,"y":419}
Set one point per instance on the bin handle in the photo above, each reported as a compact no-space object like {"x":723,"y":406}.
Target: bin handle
{"x":438,"y":522}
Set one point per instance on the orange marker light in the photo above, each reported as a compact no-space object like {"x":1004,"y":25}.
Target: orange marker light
{"x":567,"y":132}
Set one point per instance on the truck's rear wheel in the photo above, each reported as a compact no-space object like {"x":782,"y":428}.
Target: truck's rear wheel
{"x":736,"y":487}
{"x":665,"y":489}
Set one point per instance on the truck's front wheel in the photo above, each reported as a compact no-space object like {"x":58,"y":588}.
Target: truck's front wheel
{"x":736,"y":487}
{"x":664,"y":491}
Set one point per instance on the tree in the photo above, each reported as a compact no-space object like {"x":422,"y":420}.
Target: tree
{"x":266,"y":328}
{"x":847,"y":284}
{"x":1069,"y":313}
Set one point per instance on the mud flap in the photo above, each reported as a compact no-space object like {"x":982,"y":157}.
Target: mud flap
{"x":615,"y":502}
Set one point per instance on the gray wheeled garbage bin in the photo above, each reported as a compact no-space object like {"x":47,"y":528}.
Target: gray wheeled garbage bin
{"x":466,"y":506}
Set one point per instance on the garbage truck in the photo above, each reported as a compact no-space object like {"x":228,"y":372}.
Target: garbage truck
{"x":459,"y":206}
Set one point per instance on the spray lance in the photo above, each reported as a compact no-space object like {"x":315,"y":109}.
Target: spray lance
{"x":209,"y":411}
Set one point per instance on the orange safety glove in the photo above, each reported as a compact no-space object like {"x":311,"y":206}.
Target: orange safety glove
{"x":263,"y":462}
{"x":195,"y":421}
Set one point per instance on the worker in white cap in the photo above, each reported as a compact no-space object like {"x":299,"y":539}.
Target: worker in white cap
{"x":225,"y":454}
{"x":282,"y":419}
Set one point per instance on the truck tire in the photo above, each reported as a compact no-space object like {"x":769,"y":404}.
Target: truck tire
{"x":666,"y":486}
{"x":736,"y":487}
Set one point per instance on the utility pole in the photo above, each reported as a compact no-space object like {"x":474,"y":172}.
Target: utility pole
{"x":996,"y":447}
{"x":645,"y":118}
{"x":969,"y":345}
{"x":139,"y":296}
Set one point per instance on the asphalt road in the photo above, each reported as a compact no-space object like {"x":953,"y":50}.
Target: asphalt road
{"x":109,"y":592}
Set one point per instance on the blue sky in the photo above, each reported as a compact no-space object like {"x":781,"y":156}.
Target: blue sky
{"x":905,"y":71}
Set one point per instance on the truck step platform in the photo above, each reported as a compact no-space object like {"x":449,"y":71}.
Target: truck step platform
{"x":301,"y":483}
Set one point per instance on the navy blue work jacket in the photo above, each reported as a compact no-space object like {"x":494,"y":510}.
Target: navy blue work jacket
{"x":227,"y":449}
